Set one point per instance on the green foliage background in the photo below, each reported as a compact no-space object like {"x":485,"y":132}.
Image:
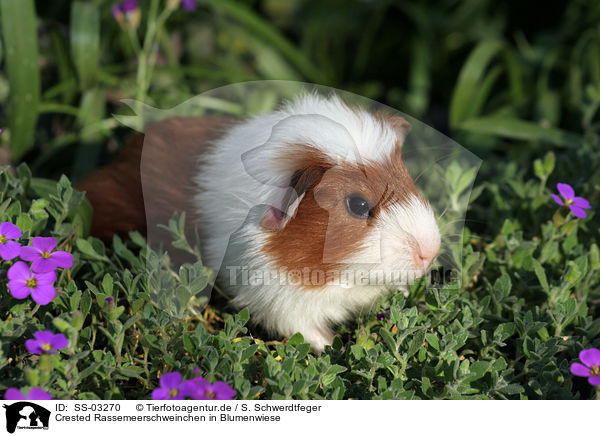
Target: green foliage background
{"x":517,"y":85}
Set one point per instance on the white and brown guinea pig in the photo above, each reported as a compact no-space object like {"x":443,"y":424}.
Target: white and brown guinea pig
{"x":295,"y":208}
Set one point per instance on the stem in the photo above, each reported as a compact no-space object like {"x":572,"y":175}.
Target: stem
{"x":34,"y":310}
{"x":147,"y":55}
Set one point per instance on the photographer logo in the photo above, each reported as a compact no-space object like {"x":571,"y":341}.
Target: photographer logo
{"x":24,"y":415}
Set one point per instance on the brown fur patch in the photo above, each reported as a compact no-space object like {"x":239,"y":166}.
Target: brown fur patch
{"x":168,"y":162}
{"x":322,"y":217}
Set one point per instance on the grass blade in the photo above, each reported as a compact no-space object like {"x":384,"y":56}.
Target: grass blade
{"x":85,"y":41}
{"x":469,"y":80}
{"x":19,"y":32}
{"x":259,"y":27}
{"x":524,"y":130}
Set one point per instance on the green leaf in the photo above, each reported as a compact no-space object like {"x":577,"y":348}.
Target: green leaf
{"x":86,"y":248}
{"x":90,"y":370}
{"x":75,"y":299}
{"x":541,"y":275}
{"x":469,"y":80}
{"x":549,"y":162}
{"x":331,"y":374}
{"x":107,"y":284}
{"x":512,"y":128}
{"x":538,"y":169}
{"x":388,"y":339}
{"x":476,"y":371}
{"x":24,"y":222}
{"x":296,"y":339}
{"x":19,"y":32}
{"x":433,"y":340}
{"x":86,"y":303}
{"x":85,"y":41}
{"x":248,"y":352}
{"x":61,"y":324}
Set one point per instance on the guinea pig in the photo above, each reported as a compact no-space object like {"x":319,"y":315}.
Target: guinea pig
{"x":302,"y":211}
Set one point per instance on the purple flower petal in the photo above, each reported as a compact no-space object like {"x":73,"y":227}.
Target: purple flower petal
{"x":160,"y":394}
{"x":128,"y":5}
{"x":19,"y":271}
{"x":594,"y":381}
{"x":577,"y":211}
{"x":13,"y":394}
{"x":187,"y":388}
{"x":10,"y":231}
{"x":45,"y":278}
{"x":33,"y":346}
{"x":199,"y":388}
{"x":41,"y":265}
{"x":30,"y":253}
{"x":62,"y":259}
{"x":170,"y":380}
{"x":18,"y":289}
{"x":10,"y":250}
{"x":188,"y":5}
{"x":116,"y":11}
{"x":581,"y":202}
{"x":565,"y":190}
{"x":579,"y":370}
{"x":590,"y":357}
{"x":223,"y":391}
{"x":44,"y":244}
{"x":38,"y":394}
{"x":206,"y":391}
{"x":59,"y":341}
{"x":43,"y":294}
{"x":44,"y":336}
{"x":557,"y":199}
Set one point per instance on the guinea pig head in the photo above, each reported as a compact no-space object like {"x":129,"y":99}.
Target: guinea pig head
{"x":358,"y":212}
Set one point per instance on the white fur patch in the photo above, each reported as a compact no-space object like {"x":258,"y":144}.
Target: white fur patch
{"x":373,"y":139}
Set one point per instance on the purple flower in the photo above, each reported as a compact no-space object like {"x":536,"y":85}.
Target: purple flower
{"x":127,"y":11}
{"x":591,"y":366}
{"x":9,"y":249}
{"x":22,"y":282}
{"x":44,"y":260}
{"x":576,"y":204}
{"x":172,"y":387}
{"x":204,"y":390}
{"x":34,"y":394}
{"x":46,"y":342}
{"x":124,"y":7}
{"x":382,"y":315}
{"x":188,"y":5}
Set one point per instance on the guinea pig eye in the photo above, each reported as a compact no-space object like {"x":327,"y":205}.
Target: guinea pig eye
{"x":358,"y":206}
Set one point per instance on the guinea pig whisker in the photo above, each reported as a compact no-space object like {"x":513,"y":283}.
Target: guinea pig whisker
{"x":242,"y":200}
{"x":444,"y":212}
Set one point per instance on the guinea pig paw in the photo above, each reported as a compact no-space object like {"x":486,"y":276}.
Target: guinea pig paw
{"x":318,"y":341}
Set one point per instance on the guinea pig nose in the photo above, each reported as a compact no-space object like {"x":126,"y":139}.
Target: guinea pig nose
{"x":420,"y":260}
{"x":424,"y":254}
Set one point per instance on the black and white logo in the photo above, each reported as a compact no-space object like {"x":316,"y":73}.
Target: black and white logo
{"x":24,"y":415}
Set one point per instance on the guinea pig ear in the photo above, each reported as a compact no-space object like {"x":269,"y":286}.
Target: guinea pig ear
{"x":276,"y":218}
{"x":401,"y":126}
